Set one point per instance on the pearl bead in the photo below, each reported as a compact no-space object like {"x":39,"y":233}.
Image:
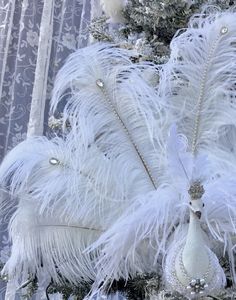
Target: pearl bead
{"x":54,"y":161}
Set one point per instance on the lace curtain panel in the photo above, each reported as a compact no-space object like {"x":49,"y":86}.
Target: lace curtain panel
{"x":36,"y":36}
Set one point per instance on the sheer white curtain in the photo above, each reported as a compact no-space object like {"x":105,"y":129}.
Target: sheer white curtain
{"x":36,"y":36}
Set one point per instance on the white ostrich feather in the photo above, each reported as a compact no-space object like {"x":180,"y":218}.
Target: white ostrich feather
{"x":180,"y":162}
{"x":112,"y":154}
{"x":27,"y":170}
{"x":54,"y":223}
{"x":135,"y":243}
{"x":46,"y":229}
{"x":142,"y":235}
{"x":182,"y":166}
{"x":123,"y":118}
{"x":198,"y":85}
{"x":139,"y":238}
{"x":47,"y":244}
{"x":198,"y":82}
{"x":220,"y":215}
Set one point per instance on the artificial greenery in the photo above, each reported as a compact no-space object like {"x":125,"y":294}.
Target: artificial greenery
{"x":151,"y":24}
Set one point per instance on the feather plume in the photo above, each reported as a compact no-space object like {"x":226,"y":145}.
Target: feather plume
{"x":45,"y":243}
{"x":138,"y":240}
{"x":180,"y":162}
{"x":114,"y":108}
{"x":71,"y":190}
{"x":53,"y":223}
{"x":198,"y":86}
{"x":220,"y":215}
{"x":135,"y":243}
{"x":27,"y":169}
{"x":182,"y":166}
{"x":198,"y":82}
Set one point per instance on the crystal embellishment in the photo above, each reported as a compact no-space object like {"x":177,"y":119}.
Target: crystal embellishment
{"x":197,"y":286}
{"x":4,"y":277}
{"x":224,"y":30}
{"x":100,"y":83}
{"x":196,"y":190}
{"x":54,"y":161}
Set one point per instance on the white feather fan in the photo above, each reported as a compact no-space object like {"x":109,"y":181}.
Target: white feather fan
{"x":198,"y":82}
{"x":48,"y":229}
{"x":103,"y":203}
{"x":198,"y":85}
{"x":71,"y":190}
{"x":198,"y":88}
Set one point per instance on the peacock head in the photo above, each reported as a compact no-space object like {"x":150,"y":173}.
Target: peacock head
{"x":196,"y":192}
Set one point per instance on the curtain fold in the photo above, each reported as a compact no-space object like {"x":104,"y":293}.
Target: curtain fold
{"x":36,"y":119}
{"x":5,"y":33}
{"x":36,"y":37}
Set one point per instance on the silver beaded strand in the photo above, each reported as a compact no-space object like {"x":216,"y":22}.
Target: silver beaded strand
{"x":100,"y":83}
{"x":223,"y":31}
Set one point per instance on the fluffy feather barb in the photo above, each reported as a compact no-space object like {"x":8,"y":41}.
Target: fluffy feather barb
{"x":198,"y":82}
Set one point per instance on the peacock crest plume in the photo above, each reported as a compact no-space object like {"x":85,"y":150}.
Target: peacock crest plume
{"x":144,"y":177}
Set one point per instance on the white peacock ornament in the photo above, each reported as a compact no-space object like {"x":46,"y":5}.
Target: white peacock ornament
{"x":145,"y":175}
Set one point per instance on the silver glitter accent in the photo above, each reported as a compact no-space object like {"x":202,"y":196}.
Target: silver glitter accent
{"x":224,"y":30}
{"x":4,"y":277}
{"x":212,"y":281}
{"x":54,"y":161}
{"x":197,"y":286}
{"x":100,"y":83}
{"x":196,"y":190}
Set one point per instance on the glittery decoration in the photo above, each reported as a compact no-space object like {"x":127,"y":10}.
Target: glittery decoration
{"x":191,"y":285}
{"x":196,"y":190}
{"x":4,"y":277}
{"x":100,"y":83}
{"x":67,"y":290}
{"x":55,"y":123}
{"x":58,"y":125}
{"x":99,"y":29}
{"x":197,"y":286}
{"x":224,"y":30}
{"x":54,"y":161}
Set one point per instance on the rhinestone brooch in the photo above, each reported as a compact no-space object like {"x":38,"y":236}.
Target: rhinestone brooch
{"x":197,"y":286}
{"x":196,"y":190}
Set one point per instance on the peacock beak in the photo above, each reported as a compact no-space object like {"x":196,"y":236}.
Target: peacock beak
{"x":198,"y":214}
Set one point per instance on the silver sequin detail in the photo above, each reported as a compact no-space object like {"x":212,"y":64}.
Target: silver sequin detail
{"x":193,"y":283}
